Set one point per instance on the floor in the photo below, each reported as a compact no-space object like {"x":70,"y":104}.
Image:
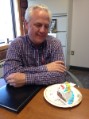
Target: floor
{"x":83,"y":76}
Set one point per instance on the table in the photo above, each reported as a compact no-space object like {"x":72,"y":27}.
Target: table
{"x":39,"y":108}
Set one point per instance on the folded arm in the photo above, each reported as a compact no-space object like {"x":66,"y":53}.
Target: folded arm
{"x":16,"y":74}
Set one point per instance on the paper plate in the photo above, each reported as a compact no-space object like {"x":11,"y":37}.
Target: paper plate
{"x":50,"y":94}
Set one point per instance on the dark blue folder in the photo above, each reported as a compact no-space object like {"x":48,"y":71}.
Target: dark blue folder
{"x":15,"y":99}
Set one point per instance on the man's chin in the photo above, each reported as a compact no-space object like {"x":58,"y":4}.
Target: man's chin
{"x":39,"y":41}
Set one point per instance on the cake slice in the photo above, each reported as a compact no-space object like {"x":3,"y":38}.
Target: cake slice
{"x":65,"y":93}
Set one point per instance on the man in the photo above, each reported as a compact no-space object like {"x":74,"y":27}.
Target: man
{"x":35,"y":58}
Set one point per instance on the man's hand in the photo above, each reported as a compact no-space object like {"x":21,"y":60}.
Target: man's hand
{"x":56,"y":66}
{"x":16,"y":79}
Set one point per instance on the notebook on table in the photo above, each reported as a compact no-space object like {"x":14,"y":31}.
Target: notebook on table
{"x":15,"y":99}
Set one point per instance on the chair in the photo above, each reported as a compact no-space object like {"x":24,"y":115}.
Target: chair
{"x":75,"y":79}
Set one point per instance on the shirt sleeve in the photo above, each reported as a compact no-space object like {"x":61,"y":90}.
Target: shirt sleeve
{"x":45,"y":78}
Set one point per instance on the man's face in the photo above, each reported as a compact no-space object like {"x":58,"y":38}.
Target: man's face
{"x":38,"y":26}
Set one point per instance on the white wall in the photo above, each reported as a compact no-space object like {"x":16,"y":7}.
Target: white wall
{"x":56,"y":6}
{"x":80,"y":34}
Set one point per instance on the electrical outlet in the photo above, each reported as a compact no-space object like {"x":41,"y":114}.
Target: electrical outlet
{"x":72,"y":52}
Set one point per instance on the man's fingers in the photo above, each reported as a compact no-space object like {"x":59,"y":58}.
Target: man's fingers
{"x":10,"y":77}
{"x":11,"y":81}
{"x":59,"y":62}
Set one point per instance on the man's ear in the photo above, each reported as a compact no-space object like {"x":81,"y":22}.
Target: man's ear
{"x":25,"y":26}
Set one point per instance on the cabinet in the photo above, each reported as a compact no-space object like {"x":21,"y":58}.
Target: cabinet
{"x":3,"y":51}
{"x":61,"y":30}
{"x":2,"y":58}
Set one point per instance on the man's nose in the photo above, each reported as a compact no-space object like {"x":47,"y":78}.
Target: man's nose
{"x":42,"y":28}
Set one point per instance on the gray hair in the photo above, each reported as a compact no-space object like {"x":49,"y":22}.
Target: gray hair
{"x":29,"y":11}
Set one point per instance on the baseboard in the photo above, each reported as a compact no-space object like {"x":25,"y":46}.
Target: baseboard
{"x":79,"y":68}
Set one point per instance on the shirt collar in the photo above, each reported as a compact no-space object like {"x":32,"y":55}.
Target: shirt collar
{"x":41,"y":46}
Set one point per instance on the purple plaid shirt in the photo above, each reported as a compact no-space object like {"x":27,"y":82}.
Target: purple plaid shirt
{"x":23,"y":56}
